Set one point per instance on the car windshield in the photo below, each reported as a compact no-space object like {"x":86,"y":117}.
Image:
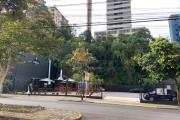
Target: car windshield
{"x":153,"y":92}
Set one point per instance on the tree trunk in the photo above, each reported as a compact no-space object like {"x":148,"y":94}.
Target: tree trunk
{"x":1,"y":87}
{"x":178,"y":91}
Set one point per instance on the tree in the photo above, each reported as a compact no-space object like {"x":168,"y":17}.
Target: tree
{"x":88,"y":36}
{"x":128,"y":48}
{"x":7,"y":83}
{"x":162,"y":62}
{"x":81,"y":61}
{"x":22,"y":35}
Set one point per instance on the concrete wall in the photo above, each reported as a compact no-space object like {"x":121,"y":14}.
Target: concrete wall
{"x":22,"y":74}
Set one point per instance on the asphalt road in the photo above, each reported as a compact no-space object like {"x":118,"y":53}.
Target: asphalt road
{"x":92,"y":111}
{"x":121,"y":94}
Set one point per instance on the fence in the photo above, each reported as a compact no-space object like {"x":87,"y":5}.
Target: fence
{"x":127,"y":88}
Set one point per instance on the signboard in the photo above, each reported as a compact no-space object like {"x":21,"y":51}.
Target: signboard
{"x":87,"y":76}
{"x":168,"y":87}
{"x":160,"y":91}
{"x":36,"y":62}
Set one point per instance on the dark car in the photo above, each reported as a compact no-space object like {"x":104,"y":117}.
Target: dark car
{"x":152,"y":96}
{"x":137,"y":90}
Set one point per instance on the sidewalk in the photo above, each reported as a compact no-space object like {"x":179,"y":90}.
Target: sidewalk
{"x":95,"y":101}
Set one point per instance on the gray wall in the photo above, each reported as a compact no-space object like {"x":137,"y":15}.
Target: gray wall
{"x":22,"y":74}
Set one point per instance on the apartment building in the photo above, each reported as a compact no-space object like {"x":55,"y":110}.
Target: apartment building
{"x":174,"y":27}
{"x":57,"y":16}
{"x":118,"y":15}
{"x":116,"y":32}
{"x":118,"y":18}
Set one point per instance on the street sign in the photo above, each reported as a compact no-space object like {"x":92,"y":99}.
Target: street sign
{"x":168,"y":87}
{"x":35,"y":62}
{"x":160,"y":91}
{"x":87,"y":76}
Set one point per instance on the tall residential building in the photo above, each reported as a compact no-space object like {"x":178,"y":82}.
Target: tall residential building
{"x":118,"y":18}
{"x":57,"y":16}
{"x":118,"y":15}
{"x":174,"y":27}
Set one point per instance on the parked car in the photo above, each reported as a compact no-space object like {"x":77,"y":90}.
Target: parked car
{"x":152,"y":96}
{"x":137,"y":90}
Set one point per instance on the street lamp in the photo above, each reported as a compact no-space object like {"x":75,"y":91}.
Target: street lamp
{"x":140,"y":93}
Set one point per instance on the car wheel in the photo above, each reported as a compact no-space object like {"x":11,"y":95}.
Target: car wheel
{"x":174,"y":99}
{"x":151,"y":99}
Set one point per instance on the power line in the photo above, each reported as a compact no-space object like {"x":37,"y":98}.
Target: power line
{"x":102,"y":23}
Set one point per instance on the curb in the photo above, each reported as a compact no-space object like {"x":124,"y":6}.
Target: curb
{"x":79,"y":117}
{"x":131,"y":105}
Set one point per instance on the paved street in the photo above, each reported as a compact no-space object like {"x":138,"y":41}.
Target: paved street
{"x":121,"y":94}
{"x":92,"y":111}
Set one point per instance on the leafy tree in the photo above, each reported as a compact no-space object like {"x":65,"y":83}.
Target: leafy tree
{"x":7,"y":83}
{"x":129,"y":47}
{"x":16,"y":9}
{"x":162,"y":62}
{"x":22,"y":35}
{"x":77,"y":77}
{"x":88,"y":36}
{"x":81,"y":61}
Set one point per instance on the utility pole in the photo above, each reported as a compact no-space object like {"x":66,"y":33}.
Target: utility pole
{"x":89,"y":14}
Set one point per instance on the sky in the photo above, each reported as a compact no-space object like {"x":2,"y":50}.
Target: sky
{"x":140,"y":9}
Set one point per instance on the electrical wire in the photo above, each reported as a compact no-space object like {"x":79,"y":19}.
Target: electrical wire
{"x":102,"y":23}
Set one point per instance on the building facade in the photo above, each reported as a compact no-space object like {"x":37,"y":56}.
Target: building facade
{"x":116,"y":32}
{"x":118,"y":15}
{"x":28,"y":72}
{"x":118,"y":18}
{"x":174,"y":27}
{"x":57,"y":16}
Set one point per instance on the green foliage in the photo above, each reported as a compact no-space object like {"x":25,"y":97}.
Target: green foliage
{"x":19,"y":35}
{"x":57,"y":93}
{"x":88,"y":36}
{"x":23,"y":92}
{"x":77,"y":77}
{"x":7,"y":83}
{"x":15,"y":9}
{"x":162,"y":62}
{"x":81,"y":64}
{"x":117,"y":56}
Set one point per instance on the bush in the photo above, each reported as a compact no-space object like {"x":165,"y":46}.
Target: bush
{"x":57,"y":93}
{"x":34,"y":92}
{"x":23,"y":92}
{"x":7,"y":82}
{"x":45,"y":93}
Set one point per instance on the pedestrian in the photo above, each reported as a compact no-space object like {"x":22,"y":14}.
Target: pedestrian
{"x":28,"y":92}
{"x":30,"y":89}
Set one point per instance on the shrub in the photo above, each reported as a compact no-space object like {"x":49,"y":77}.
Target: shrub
{"x":45,"y":93}
{"x":34,"y":92}
{"x":23,"y":92}
{"x":57,"y":93}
